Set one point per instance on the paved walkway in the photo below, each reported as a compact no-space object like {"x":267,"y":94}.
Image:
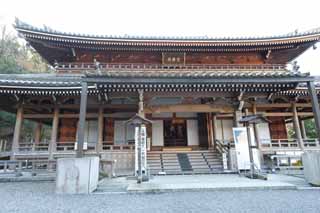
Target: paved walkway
{"x":39,"y":197}
{"x":173,"y":183}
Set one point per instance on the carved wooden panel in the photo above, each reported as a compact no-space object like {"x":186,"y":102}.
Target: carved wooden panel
{"x":173,"y":58}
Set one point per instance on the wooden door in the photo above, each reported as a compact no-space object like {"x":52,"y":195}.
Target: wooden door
{"x":203,"y":130}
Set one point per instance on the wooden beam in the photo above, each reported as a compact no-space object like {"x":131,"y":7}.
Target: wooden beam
{"x":68,"y":115}
{"x":77,"y":106}
{"x":285,"y":114}
{"x":189,"y":108}
{"x":283,"y":105}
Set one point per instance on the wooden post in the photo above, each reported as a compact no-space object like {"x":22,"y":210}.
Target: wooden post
{"x":255,"y":127}
{"x":214,"y":124}
{"x":17,"y":131}
{"x":297,"y":126}
{"x":315,"y":106}
{"x":208,"y":129}
{"x":211,"y":141}
{"x":141,"y":108}
{"x":100,"y":130}
{"x":303,"y":129}
{"x":37,"y":133}
{"x":54,"y":132}
{"x":82,"y":118}
{"x":237,"y":117}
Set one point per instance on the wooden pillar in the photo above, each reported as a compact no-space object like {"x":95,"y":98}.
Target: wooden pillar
{"x":100,"y":130}
{"x":237,"y":117}
{"x":315,"y":106}
{"x":297,"y":126}
{"x":82,"y":118}
{"x":54,"y":132}
{"x":303,"y":129}
{"x":209,"y":127}
{"x":37,"y":133}
{"x":214,"y":124}
{"x":255,"y":126}
{"x":17,"y":132}
{"x":141,"y":108}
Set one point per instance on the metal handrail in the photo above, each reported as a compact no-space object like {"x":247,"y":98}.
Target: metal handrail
{"x":222,"y":147}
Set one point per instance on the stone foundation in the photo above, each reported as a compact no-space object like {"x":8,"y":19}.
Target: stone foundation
{"x":311,"y":167}
{"x":124,"y":163}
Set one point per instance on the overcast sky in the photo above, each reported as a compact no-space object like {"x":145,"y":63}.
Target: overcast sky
{"x":173,"y":18}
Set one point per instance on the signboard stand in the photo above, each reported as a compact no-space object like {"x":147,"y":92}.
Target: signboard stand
{"x":244,"y":136}
{"x":140,"y":153}
{"x":247,"y":156}
{"x":140,"y":169}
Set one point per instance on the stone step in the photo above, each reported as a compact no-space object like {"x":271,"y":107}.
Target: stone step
{"x":198,"y":162}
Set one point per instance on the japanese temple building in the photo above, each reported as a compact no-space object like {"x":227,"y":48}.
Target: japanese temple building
{"x":193,"y":89}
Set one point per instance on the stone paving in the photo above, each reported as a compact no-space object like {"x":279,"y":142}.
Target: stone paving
{"x":39,"y":197}
{"x":173,"y":183}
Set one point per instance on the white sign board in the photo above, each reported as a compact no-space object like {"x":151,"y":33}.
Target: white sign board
{"x":242,"y":148}
{"x":141,"y":140}
{"x":241,"y":144}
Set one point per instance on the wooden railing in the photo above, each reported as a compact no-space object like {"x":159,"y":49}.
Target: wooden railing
{"x":137,"y":66}
{"x":60,"y":146}
{"x":25,"y":147}
{"x":28,"y":147}
{"x":65,"y":146}
{"x":279,"y":143}
{"x":289,"y":143}
{"x":34,"y":166}
{"x":107,"y":146}
{"x":285,"y":144}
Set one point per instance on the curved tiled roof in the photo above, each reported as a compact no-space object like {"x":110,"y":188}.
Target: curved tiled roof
{"x":199,"y":74}
{"x":70,"y":84}
{"x":306,"y":36}
{"x":74,"y":80}
{"x":49,"y":81}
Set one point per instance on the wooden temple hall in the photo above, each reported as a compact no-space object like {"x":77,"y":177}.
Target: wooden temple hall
{"x":193,"y":89}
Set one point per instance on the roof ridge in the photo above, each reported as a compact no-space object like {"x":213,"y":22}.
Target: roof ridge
{"x":45,"y":29}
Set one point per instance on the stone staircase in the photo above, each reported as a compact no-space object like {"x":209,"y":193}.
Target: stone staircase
{"x":188,"y":162}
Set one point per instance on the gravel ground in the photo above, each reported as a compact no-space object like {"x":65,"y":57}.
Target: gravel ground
{"x":39,"y":197}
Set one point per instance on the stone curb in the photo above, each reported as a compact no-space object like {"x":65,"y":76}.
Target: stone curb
{"x":135,"y":190}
